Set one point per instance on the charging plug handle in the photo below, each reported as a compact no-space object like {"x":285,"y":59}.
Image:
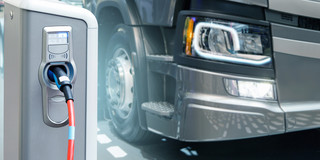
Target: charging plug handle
{"x":67,"y":92}
{"x":60,"y":77}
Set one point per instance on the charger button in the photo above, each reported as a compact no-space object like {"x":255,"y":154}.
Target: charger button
{"x":57,"y":49}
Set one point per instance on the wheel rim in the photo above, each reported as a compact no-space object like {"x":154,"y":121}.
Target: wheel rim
{"x":119,"y":84}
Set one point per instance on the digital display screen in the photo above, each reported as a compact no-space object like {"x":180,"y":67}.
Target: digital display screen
{"x":58,"y":38}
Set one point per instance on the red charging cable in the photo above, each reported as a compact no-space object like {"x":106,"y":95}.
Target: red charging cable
{"x":59,"y":76}
{"x":71,"y":130}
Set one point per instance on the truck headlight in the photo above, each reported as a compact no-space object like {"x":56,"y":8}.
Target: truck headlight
{"x":250,"y":89}
{"x":227,"y":41}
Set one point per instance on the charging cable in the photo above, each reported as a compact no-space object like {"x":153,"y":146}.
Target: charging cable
{"x":59,"y":76}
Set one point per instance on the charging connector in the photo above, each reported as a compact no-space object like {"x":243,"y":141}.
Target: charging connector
{"x":58,"y":75}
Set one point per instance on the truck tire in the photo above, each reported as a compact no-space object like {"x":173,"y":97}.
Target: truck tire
{"x":120,"y":87}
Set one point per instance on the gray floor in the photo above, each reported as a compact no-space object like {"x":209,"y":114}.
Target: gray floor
{"x":298,"y":145}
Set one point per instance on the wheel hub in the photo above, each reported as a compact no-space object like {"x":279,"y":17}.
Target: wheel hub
{"x":119,"y":82}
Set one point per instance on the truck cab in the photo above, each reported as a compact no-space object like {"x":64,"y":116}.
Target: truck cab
{"x":208,"y":70}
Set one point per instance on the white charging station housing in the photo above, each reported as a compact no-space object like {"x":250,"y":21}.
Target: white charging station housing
{"x":24,"y":128}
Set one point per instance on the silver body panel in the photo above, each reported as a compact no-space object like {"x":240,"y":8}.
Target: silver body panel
{"x":206,"y":112}
{"x":212,"y":114}
{"x":262,"y":3}
{"x":297,"y":61}
{"x":156,"y":12}
{"x":309,"y":8}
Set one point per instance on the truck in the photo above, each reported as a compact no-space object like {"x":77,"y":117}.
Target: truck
{"x":208,"y":70}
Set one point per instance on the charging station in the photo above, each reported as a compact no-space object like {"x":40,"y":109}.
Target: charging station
{"x":39,"y":35}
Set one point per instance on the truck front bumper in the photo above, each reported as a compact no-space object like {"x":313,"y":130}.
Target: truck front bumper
{"x":209,"y":113}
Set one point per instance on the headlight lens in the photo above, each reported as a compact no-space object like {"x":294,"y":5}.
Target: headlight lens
{"x":227,"y":41}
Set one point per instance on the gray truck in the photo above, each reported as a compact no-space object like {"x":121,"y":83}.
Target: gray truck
{"x":208,"y":70}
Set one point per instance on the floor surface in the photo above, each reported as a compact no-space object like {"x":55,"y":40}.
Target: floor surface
{"x":297,"y":145}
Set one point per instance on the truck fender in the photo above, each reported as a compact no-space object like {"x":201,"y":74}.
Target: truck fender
{"x":127,"y":8}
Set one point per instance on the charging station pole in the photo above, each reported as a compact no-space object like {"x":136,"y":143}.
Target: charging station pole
{"x":40,"y":34}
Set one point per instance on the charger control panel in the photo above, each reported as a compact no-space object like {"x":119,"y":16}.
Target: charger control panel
{"x":56,"y":51}
{"x":57,"y":43}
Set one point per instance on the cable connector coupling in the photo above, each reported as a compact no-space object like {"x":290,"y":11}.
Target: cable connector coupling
{"x":60,"y":77}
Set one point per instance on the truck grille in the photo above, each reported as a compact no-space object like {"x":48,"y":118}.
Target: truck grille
{"x":286,"y":17}
{"x":293,"y":20}
{"x":309,"y":23}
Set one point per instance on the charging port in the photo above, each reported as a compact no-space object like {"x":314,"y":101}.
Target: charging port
{"x":66,"y":67}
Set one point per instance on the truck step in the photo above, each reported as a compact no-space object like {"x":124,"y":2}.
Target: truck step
{"x":164,"y":109}
{"x":166,"y":58}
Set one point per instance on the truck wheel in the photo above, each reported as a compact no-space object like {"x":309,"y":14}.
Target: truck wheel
{"x":120,"y":87}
